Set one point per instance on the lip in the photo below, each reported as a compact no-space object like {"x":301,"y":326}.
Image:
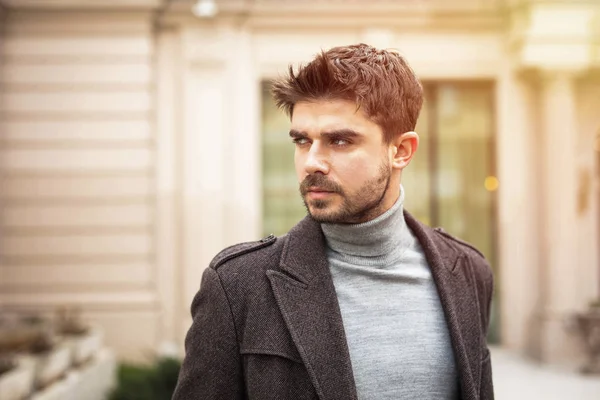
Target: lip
{"x":318,"y":189}
{"x":318,"y":193}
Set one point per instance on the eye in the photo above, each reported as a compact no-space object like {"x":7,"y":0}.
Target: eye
{"x":300,"y":141}
{"x":340,"y":142}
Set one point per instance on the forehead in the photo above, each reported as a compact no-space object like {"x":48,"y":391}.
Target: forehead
{"x":324,"y":115}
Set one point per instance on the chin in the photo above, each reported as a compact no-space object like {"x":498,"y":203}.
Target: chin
{"x":323,"y":215}
{"x":322,"y":210}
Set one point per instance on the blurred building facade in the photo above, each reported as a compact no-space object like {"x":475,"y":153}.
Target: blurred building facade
{"x":137,"y":140}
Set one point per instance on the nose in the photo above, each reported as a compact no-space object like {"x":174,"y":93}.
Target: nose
{"x":316,"y":161}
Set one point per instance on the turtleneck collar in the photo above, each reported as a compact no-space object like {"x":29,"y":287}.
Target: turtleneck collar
{"x":379,"y":238}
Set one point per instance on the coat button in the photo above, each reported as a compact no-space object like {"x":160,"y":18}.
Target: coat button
{"x":268,"y":238}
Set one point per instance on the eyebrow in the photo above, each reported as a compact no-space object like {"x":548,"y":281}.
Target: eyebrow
{"x":338,"y":133}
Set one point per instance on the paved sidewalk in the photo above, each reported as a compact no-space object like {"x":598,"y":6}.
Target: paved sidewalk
{"x":516,"y":378}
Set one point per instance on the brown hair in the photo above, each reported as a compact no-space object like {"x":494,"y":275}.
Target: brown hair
{"x":379,"y":81}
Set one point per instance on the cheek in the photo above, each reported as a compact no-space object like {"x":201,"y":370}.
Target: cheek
{"x":299,"y":165}
{"x":356,"y":170}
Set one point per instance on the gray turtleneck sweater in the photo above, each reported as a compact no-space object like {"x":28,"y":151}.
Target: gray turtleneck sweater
{"x":397,"y":335}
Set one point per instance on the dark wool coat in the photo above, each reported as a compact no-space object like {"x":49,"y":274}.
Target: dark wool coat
{"x":267,"y":324}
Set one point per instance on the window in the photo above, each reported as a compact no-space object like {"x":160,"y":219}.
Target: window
{"x":282,"y":204}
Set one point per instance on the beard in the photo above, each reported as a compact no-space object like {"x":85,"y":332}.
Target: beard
{"x":363,"y":205}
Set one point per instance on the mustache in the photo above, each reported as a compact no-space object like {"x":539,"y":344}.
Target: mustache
{"x":320,"y":181}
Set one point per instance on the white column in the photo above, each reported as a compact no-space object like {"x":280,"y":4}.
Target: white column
{"x":167,"y":226}
{"x":588,"y":187}
{"x":204,"y":156}
{"x":243,"y":203}
{"x":517,"y":283}
{"x":559,"y":258}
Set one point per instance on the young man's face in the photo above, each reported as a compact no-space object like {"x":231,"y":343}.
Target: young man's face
{"x":342,"y":162}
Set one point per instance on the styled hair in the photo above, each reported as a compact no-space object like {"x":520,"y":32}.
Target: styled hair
{"x":380,"y":82}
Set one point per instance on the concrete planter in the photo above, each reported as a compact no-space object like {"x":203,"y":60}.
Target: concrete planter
{"x":59,"y":390}
{"x":97,"y":378}
{"x":589,"y":327}
{"x":17,"y":383}
{"x":52,"y":365}
{"x":91,"y":382}
{"x":18,"y":337}
{"x":84,"y":347}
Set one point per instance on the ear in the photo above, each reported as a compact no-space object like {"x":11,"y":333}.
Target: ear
{"x":404,"y":147}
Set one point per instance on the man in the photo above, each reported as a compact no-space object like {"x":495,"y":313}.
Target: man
{"x":359,"y":300}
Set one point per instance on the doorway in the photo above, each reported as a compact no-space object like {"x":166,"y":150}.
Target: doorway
{"x":451,"y":182}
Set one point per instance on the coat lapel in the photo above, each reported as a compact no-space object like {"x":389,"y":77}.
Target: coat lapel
{"x":305,"y":294}
{"x":454,"y":281}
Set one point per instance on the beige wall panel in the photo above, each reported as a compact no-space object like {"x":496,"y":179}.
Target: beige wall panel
{"x":28,"y":23}
{"x":47,"y":131}
{"x":457,"y":47}
{"x":93,"y":299}
{"x":138,"y":215}
{"x":75,"y":274}
{"x":78,"y":160}
{"x":273,"y":46}
{"x":99,"y":59}
{"x":465,"y":56}
{"x":89,"y":245}
{"x":72,"y":45}
{"x":73,"y":102}
{"x":76,"y":74}
{"x":75,"y":188}
{"x":93,"y":5}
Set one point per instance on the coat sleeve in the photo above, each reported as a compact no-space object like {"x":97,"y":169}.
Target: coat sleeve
{"x":211,"y":368}
{"x":486,"y":290}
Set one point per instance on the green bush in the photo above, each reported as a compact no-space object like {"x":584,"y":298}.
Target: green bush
{"x":153,"y":382}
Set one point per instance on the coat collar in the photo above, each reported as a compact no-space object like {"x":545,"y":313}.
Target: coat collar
{"x":303,"y":288}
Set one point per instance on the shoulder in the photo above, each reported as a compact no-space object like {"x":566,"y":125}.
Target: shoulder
{"x":244,"y":252}
{"x":481,"y":266}
{"x":459,"y":244}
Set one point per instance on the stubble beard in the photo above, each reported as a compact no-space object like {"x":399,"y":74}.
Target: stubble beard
{"x":363,"y":205}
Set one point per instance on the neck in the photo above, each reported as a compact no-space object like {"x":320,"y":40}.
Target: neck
{"x":377,"y":237}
